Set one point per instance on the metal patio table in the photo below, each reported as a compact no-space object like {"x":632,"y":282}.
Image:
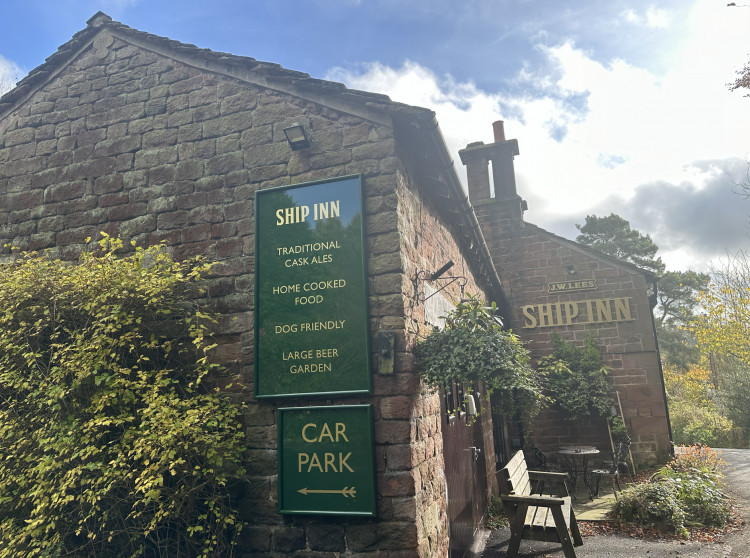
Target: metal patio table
{"x":571,"y":454}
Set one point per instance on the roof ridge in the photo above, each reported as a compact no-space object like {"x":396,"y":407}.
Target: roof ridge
{"x":99,"y":19}
{"x":270,"y":73}
{"x":374,"y":107}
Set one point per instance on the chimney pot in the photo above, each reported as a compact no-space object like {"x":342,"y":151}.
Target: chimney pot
{"x":498,"y":130}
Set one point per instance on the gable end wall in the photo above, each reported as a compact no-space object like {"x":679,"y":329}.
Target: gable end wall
{"x":132,"y":143}
{"x":527,"y":260}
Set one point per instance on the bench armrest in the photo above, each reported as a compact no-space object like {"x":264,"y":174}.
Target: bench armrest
{"x":546,"y":475}
{"x":543,"y":501}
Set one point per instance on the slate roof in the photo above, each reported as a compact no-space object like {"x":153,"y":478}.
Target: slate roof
{"x":243,"y":67}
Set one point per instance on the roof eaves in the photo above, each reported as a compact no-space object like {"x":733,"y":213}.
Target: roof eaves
{"x":436,"y":168}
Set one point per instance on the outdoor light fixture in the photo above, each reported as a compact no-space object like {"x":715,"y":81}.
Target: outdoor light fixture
{"x":296,"y":136}
{"x":571,"y":269}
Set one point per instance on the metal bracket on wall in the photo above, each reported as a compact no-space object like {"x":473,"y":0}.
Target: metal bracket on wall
{"x":422,"y":276}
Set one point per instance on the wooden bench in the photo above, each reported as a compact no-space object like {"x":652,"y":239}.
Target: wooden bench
{"x":540,"y":517}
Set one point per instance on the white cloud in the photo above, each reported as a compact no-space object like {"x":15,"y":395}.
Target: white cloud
{"x":657,"y":18}
{"x":652,"y":17}
{"x":10,"y":73}
{"x":590,"y":132}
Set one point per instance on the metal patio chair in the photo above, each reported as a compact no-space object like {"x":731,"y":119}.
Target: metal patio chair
{"x":612,"y":469}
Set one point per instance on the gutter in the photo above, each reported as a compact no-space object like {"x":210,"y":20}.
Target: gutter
{"x":465,"y":208}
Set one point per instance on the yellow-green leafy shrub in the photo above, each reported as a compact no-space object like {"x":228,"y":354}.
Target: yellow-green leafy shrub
{"x":111,"y":442}
{"x":693,"y":409}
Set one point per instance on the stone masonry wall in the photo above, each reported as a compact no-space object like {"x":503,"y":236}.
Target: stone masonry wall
{"x":426,"y":245}
{"x":529,"y":258}
{"x":136,"y":144}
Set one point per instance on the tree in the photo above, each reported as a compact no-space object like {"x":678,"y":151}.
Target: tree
{"x":695,"y":409}
{"x":113,"y":442}
{"x":724,"y":327}
{"x":743,"y":79}
{"x":613,"y":235}
{"x":676,"y":293}
{"x":733,"y":378}
{"x":9,"y":75}
{"x":723,"y":334}
{"x":677,"y":297}
{"x":677,"y":346}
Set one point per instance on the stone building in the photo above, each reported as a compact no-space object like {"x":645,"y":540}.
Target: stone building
{"x":556,"y":286}
{"x":158,"y":141}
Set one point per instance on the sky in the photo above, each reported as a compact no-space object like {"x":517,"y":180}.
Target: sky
{"x":618,"y":107}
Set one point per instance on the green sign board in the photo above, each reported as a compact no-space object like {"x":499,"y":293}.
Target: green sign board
{"x":326,"y":460}
{"x":311,"y":321}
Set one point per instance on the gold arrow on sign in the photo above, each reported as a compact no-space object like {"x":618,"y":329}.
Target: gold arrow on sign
{"x":346,"y":492}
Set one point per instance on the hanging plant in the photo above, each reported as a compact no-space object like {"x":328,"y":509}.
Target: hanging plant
{"x":577,"y":379}
{"x":474,"y":349}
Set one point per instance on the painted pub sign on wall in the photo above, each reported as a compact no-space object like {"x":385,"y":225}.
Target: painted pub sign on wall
{"x":311,"y":321}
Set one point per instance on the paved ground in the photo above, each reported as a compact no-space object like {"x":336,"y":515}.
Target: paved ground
{"x":735,"y":545}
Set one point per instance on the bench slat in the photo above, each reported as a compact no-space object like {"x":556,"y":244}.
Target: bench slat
{"x":541,"y":517}
{"x":518,"y":475}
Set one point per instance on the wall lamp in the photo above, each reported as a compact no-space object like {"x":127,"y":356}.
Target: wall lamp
{"x":438,"y":275}
{"x":297,"y":136}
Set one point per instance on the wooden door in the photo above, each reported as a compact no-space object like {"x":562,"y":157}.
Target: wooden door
{"x":464,"y":472}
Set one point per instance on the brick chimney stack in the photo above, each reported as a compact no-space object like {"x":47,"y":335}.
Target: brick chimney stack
{"x":477,"y":157}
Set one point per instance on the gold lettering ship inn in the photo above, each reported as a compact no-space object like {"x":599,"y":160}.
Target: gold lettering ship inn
{"x":591,"y":311}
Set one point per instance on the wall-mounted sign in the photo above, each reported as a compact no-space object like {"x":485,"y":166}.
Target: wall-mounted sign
{"x":582,"y":312}
{"x":326,"y":460}
{"x":436,"y":307}
{"x":311,"y":320}
{"x":568,"y":286}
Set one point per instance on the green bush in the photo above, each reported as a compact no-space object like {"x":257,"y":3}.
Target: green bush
{"x":112,"y":443}
{"x":694,"y":424}
{"x":474,"y":349}
{"x":617,"y":429}
{"x":653,"y":504}
{"x":699,"y":492}
{"x":577,"y":379}
{"x":687,"y":491}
